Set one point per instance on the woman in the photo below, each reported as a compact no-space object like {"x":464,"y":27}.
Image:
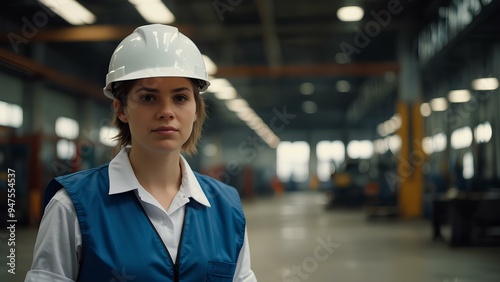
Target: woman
{"x":146,"y":216}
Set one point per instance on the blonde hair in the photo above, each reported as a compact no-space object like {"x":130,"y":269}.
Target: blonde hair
{"x":124,"y":137}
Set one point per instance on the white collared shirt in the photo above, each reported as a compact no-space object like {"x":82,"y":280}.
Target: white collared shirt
{"x":59,"y":242}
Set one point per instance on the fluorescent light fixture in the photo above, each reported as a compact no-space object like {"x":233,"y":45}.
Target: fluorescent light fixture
{"x":427,"y":145}
{"x":343,"y":86}
{"x":439,"y":142}
{"x":236,"y":104}
{"x":425,"y":109}
{"x":246,"y":114}
{"x":350,"y":13}
{"x":218,"y":83}
{"x":459,"y":96}
{"x":107,"y":135}
{"x":154,"y":11}
{"x":360,"y":149}
{"x":226,"y":93}
{"x":381,"y":130}
{"x":489,"y":83}
{"x":439,"y":104}
{"x":394,"y":143}
{"x":461,"y":138}
{"x":309,"y":107}
{"x":390,"y":126}
{"x":307,"y":88}
{"x":210,"y":65}
{"x":223,"y":90}
{"x":483,"y":132}
{"x":71,"y":11}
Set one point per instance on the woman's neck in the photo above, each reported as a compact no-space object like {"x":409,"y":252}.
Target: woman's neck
{"x":159,"y":174}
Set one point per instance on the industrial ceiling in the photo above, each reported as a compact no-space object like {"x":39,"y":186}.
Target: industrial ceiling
{"x":270,"y":51}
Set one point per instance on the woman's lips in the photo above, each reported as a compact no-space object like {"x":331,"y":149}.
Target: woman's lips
{"x":165,"y":130}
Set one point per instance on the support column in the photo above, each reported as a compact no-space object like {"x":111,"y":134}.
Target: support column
{"x":411,"y":156}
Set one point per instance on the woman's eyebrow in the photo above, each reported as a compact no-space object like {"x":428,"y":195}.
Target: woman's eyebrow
{"x":180,"y":89}
{"x":148,"y":89}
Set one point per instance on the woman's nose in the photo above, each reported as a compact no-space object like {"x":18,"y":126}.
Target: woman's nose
{"x":165,"y":111}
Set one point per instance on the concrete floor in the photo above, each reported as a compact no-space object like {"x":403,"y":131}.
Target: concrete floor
{"x":293,"y":238}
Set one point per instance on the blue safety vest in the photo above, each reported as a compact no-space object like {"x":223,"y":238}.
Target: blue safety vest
{"x":119,"y":243}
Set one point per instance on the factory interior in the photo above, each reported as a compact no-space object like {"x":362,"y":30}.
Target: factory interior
{"x":362,"y":136}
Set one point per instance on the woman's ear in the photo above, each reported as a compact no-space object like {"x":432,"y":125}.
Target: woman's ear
{"x":120,"y":111}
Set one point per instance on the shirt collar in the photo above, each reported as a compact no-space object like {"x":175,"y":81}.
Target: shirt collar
{"x":122,"y":178}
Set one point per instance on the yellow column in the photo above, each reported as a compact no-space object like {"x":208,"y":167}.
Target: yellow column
{"x":410,"y":160}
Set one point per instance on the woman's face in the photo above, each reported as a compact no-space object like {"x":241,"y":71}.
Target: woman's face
{"x":160,"y":112}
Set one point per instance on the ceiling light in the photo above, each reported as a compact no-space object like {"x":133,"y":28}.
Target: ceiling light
{"x":71,"y":11}
{"x":307,"y":88}
{"x":210,"y":150}
{"x":154,"y":11}
{"x":350,"y":13}
{"x":343,"y":86}
{"x":425,"y":109}
{"x":309,"y":107}
{"x":236,"y":104}
{"x":490,"y":83}
{"x":226,"y":93}
{"x":209,"y":65}
{"x":246,"y":115}
{"x":218,"y":83}
{"x":459,"y":96}
{"x":439,"y":104}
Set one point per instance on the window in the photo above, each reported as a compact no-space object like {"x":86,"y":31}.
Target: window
{"x":107,"y":135}
{"x":293,"y":161}
{"x":360,"y":149}
{"x":11,"y":115}
{"x":66,"y":150}
{"x":330,"y":155}
{"x":391,"y":142}
{"x":483,"y":132}
{"x":435,"y":143}
{"x":461,"y":138}
{"x":468,"y":166}
{"x":66,"y":128}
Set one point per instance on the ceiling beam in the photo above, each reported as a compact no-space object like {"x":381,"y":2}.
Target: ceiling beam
{"x":77,"y":34}
{"x":60,"y":78}
{"x":354,"y":69}
{"x":205,"y":33}
{"x":271,"y":40}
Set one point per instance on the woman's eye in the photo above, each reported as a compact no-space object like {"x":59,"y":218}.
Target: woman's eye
{"x":147,"y":98}
{"x":181,"y":98}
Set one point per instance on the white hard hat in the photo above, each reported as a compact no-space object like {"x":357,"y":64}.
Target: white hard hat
{"x":156,"y":50}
